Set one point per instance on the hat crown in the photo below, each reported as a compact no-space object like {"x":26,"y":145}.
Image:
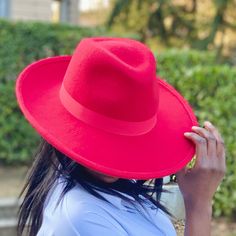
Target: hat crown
{"x":113,"y":77}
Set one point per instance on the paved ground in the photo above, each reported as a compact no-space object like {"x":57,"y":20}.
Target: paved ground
{"x":12,"y":179}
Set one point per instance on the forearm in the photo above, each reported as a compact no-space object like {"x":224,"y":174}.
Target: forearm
{"x":198,"y":220}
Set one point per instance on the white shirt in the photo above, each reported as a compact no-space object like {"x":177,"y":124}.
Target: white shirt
{"x":81,"y":214}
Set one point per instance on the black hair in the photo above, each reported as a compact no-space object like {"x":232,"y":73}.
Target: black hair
{"x":50,"y":164}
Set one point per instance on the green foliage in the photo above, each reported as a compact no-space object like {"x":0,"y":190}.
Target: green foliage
{"x":17,"y":138}
{"x":186,"y":22}
{"x":210,"y":89}
{"x":21,"y":44}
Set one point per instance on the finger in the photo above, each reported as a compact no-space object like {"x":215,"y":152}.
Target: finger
{"x":201,"y":147}
{"x":220,"y":146}
{"x":211,"y":140}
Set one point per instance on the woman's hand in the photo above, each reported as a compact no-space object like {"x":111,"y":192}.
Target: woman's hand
{"x":199,"y":184}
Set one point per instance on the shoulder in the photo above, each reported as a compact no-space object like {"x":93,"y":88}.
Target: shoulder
{"x":78,"y":213}
{"x":78,"y":204}
{"x":89,"y":215}
{"x":77,"y":201}
{"x":89,"y":219}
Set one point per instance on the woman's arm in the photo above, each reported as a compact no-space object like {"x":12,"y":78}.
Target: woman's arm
{"x":198,"y":220}
{"x":199,"y":184}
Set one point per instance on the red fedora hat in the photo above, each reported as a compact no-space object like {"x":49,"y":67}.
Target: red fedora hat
{"x":105,"y":108}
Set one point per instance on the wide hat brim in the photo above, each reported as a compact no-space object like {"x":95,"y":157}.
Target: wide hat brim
{"x":162,"y":151}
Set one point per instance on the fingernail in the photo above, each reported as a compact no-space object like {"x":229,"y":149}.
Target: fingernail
{"x":187,"y":133}
{"x":208,"y":123}
{"x":195,"y":127}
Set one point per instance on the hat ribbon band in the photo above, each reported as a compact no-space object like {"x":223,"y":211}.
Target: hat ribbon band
{"x":106,"y":123}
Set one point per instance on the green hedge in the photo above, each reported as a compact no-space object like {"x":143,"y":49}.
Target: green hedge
{"x":208,"y":86}
{"x":22,"y":43}
{"x":210,"y":89}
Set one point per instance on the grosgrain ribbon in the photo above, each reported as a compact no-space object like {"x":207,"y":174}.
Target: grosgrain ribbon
{"x":106,"y":123}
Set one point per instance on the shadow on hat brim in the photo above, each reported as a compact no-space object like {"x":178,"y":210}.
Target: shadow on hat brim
{"x":162,"y":151}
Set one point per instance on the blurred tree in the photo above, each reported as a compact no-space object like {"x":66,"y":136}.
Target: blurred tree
{"x":173,"y":20}
{"x":218,"y":23}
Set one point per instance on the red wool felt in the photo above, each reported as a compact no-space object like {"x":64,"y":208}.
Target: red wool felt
{"x":115,"y":115}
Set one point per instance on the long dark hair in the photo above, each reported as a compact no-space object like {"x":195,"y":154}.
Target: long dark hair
{"x":50,"y":163}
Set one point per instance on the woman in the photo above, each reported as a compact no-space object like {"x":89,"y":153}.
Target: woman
{"x":109,"y":125}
